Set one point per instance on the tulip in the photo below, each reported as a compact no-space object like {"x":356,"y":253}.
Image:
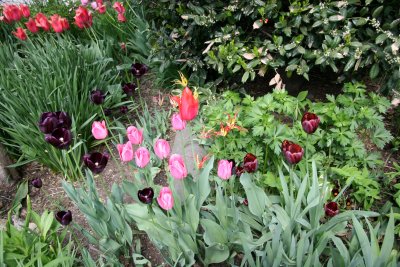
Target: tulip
{"x":99,"y":130}
{"x":146,"y":195}
{"x":12,"y":13}
{"x":165,"y":199}
{"x":97,"y":97}
{"x":24,"y":10}
{"x":335,"y":192}
{"x":31,"y":25}
{"x":60,"y":138}
{"x":94,"y":5}
{"x":138,"y":69}
{"x":245,"y":202}
{"x":55,"y":22}
{"x":134,"y":135}
{"x":189,"y":105}
{"x":121,"y":17}
{"x":331,"y":209}
{"x":42,"y":22}
{"x":177,"y":167}
{"x":125,"y":151}
{"x":64,"y":23}
{"x":84,"y":2}
{"x":96,"y":161}
{"x":310,"y":122}
{"x":129,"y":88}
{"x":49,"y":121}
{"x":224,"y":169}
{"x":119,"y":7}
{"x":107,"y":112}
{"x":37,"y":183}
{"x":292,"y":152}
{"x":64,"y":121}
{"x":101,"y":8}
{"x":250,"y":163}
{"x":83,"y":18}
{"x":142,"y":157}
{"x":64,"y":217}
{"x":162,"y":148}
{"x":177,"y":122}
{"x":20,"y":34}
{"x":123,"y":109}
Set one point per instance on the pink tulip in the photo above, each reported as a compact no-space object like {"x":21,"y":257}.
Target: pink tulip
{"x":142,"y":157}
{"x":121,"y":17}
{"x":162,"y":148}
{"x":165,"y":199}
{"x":177,"y":167}
{"x":125,"y":151}
{"x":134,"y":135}
{"x":224,"y":169}
{"x":84,"y":2}
{"x":94,"y":5}
{"x":177,"y":122}
{"x":99,"y":130}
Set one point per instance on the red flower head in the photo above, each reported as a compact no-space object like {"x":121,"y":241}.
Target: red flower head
{"x":101,"y":8}
{"x":20,"y":34}
{"x":31,"y":25}
{"x":83,"y":18}
{"x":119,"y":7}
{"x":310,"y":122}
{"x":293,"y":152}
{"x":189,"y":105}
{"x":121,"y":17}
{"x":42,"y":22}
{"x":12,"y":13}
{"x":64,"y":23}
{"x":55,"y":22}
{"x":25,"y":10}
{"x":331,"y":209}
{"x":250,"y":163}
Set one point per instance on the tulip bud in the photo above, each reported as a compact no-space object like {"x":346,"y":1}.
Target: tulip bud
{"x":129,"y":88}
{"x":146,"y":195}
{"x":134,"y":135}
{"x":310,"y":122}
{"x":250,"y":163}
{"x":189,"y":105}
{"x":142,"y":157}
{"x":165,"y":199}
{"x":177,"y":122}
{"x":162,"y":148}
{"x":125,"y":151}
{"x":331,"y":209}
{"x":37,"y":182}
{"x":224,"y":169}
{"x":99,"y":130}
{"x":97,"y":97}
{"x":177,"y":167}
{"x":292,"y":152}
{"x":64,"y":217}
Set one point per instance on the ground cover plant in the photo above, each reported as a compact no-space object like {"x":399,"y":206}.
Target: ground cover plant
{"x":208,"y":179}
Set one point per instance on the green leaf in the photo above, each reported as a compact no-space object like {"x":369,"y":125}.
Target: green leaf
{"x":364,"y":242}
{"x":245,"y":77}
{"x":213,"y":232}
{"x":203,"y":185}
{"x":350,"y":64}
{"x":336,"y":18}
{"x":289,"y":46}
{"x":302,"y":95}
{"x":216,"y":254}
{"x":377,"y":12}
{"x":381,"y":38}
{"x":387,"y":244}
{"x":374,"y":71}
{"x":256,"y":197}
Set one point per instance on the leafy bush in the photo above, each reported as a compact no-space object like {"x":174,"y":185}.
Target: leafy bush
{"x":295,"y":36}
{"x":39,"y":242}
{"x":68,"y":73}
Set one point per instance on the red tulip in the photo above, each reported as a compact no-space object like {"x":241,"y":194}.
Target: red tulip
{"x":64,"y":23}
{"x":331,"y":209}
{"x":20,"y":34}
{"x":119,"y":7}
{"x":42,"y":22}
{"x":310,"y":122}
{"x":121,"y":17}
{"x":189,"y":105}
{"x":25,"y":10}
{"x":55,"y":22}
{"x":12,"y":13}
{"x":292,"y":152}
{"x":250,"y":163}
{"x":31,"y":25}
{"x":83,"y":18}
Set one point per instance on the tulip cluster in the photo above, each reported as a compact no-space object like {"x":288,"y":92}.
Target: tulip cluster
{"x":120,"y":10}
{"x":57,"y":128}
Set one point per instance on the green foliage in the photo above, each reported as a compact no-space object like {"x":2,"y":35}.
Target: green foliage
{"x":53,"y":75}
{"x":234,"y":37}
{"x":38,"y":242}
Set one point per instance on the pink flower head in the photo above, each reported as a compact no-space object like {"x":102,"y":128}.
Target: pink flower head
{"x":25,"y":10}
{"x":162,"y":148}
{"x":94,"y":5}
{"x":20,"y":34}
{"x":55,"y":22}
{"x":165,"y":199}
{"x":177,"y":167}
{"x":224,"y":169}
{"x":119,"y":7}
{"x":84,"y":2}
{"x":142,"y":157}
{"x":125,"y":151}
{"x":42,"y":22}
{"x":134,"y":135}
{"x":99,"y":130}
{"x":11,"y":13}
{"x":31,"y":25}
{"x":101,"y":8}
{"x":121,"y":17}
{"x":177,"y":122}
{"x":83,"y":17}
{"x":64,"y":23}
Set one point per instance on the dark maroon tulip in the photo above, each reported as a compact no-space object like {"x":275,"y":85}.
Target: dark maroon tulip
{"x":245,"y":202}
{"x":107,"y":112}
{"x":138,"y":69}
{"x":60,"y":138}
{"x":310,"y":122}
{"x":146,"y":195}
{"x":348,"y":202}
{"x":250,"y":163}
{"x":48,"y":122}
{"x":64,"y":217}
{"x":123,"y":109}
{"x":293,"y":152}
{"x":96,"y":161}
{"x":335,"y":192}
{"x":331,"y":209}
{"x":64,"y":121}
{"x":238,"y":171}
{"x":97,"y":97}
{"x":129,"y":88}
{"x":37,"y":182}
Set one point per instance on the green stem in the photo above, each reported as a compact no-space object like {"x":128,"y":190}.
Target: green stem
{"x":307,"y":142}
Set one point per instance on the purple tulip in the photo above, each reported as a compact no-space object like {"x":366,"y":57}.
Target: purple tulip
{"x":37,"y":182}
{"x":138,"y":69}
{"x":97,"y":97}
{"x":64,"y":217}
{"x":60,"y":138}
{"x":310,"y":122}
{"x":292,"y":152}
{"x":96,"y":161}
{"x":250,"y":163}
{"x":49,"y":121}
{"x":129,"y":88}
{"x":331,"y":209}
{"x":146,"y":195}
{"x":123,"y":109}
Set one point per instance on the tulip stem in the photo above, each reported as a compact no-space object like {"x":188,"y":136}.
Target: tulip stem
{"x":307,"y":142}
{"x":140,"y":94}
{"x":265,"y":158}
